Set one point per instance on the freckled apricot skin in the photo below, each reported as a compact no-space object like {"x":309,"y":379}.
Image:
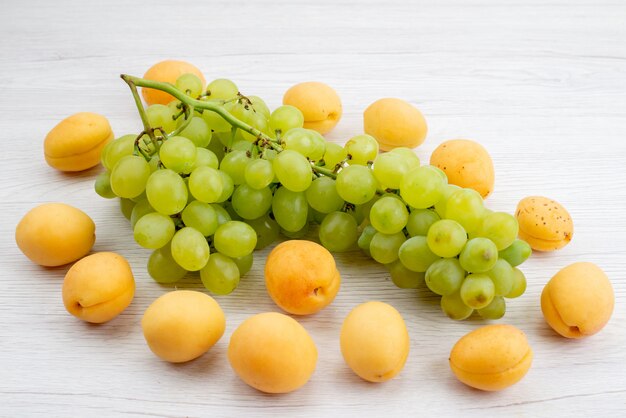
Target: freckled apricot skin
{"x":319,"y":103}
{"x":54,"y":234}
{"x":183,"y":325}
{"x":75,"y":143}
{"x":374,"y":341}
{"x":272,"y":353}
{"x":301,"y":276}
{"x":544,"y":223}
{"x":98,"y":287}
{"x":578,"y":301}
{"x":167,"y":71}
{"x":492,"y":357}
{"x":466,"y":163}
{"x":395,"y":123}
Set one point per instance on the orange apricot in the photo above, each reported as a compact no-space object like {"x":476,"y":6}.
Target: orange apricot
{"x":395,"y":123}
{"x":167,"y":71}
{"x":319,"y":103}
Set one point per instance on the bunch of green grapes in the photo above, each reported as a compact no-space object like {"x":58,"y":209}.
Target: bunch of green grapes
{"x":205,"y":195}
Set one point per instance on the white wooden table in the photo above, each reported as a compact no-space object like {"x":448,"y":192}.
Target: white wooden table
{"x":540,"y":83}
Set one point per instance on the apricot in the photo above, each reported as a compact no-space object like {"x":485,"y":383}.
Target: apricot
{"x":54,"y":234}
{"x":272,"y":353}
{"x":374,"y":341}
{"x":466,"y":164}
{"x":492,"y":357}
{"x":394,"y":123}
{"x":319,"y":103}
{"x":301,"y":276}
{"x":76,"y":142}
{"x":98,"y":287}
{"x":544,"y":223}
{"x":183,"y":325}
{"x":167,"y":71}
{"x":578,"y":301}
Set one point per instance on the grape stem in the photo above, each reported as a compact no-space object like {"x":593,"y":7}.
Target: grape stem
{"x":188,"y":112}
{"x":142,"y":112}
{"x":323,"y":171}
{"x":134,"y":82}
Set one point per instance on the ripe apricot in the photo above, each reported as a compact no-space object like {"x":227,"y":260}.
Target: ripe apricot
{"x":394,"y":123}
{"x":374,"y":341}
{"x":54,"y":234}
{"x":319,"y":103}
{"x":301,"y":276}
{"x":544,"y":223}
{"x":98,"y":287}
{"x":466,"y":163}
{"x":76,"y":142}
{"x":492,"y":357}
{"x":182,"y":325}
{"x":272,"y":353}
{"x":167,"y":71}
{"x":578,"y":301}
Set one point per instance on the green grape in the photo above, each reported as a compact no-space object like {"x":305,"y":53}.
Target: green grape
{"x":166,"y":192}
{"x":290,"y":209}
{"x":234,"y":164}
{"x":286,"y":117}
{"x":178,"y":154}
{"x":307,"y":142}
{"x":299,"y":234}
{"x":495,"y":310}
{"x":259,"y":173}
{"x":441,"y":173}
{"x":220,"y":275}
{"x":440,"y":207}
{"x":334,"y":155}
{"x":205,"y":158}
{"x":251,"y":203}
{"x":315,"y":216}
{"x":404,"y":278}
{"x":126,"y":207}
{"x":222,"y":214}
{"x":408,"y":155}
{"x":454,"y":307}
{"x":197,"y":131}
{"x":190,"y":249}
{"x":154,"y":163}
{"x":205,"y":184}
{"x":356,"y":184}
{"x":189,"y":84}
{"x":384,"y":248}
{"x":105,"y":151}
{"x":293,"y":170}
{"x":234,"y":239}
{"x":163,"y":268}
{"x":479,"y":255}
{"x":516,"y":253}
{"x":244,"y":264}
{"x":477,"y":291}
{"x":154,"y":230}
{"x":499,"y":227}
{"x":257,"y":121}
{"x":129,"y":176}
{"x":118,"y":148}
{"x":338,"y":232}
{"x":519,"y":284}
{"x":446,"y":238}
{"x":445,"y":276}
{"x":217,"y":123}
{"x":139,"y":198}
{"x":268,"y":154}
{"x":259,"y":106}
{"x":231,"y":212}
{"x":420,"y":221}
{"x":242,"y":145}
{"x":502,"y":276}
{"x":200,"y":216}
{"x":415,"y":254}
{"x":366,"y":238}
{"x":422,"y":187}
{"x":102,"y":185}
{"x":161,"y":116}
{"x":389,"y":215}
{"x":221,"y":89}
{"x":466,"y":207}
{"x":362,"y":149}
{"x":389,"y":168}
{"x":322,"y":195}
{"x":228,"y":187}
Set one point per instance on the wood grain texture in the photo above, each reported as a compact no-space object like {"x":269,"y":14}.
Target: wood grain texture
{"x":541,"y":84}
